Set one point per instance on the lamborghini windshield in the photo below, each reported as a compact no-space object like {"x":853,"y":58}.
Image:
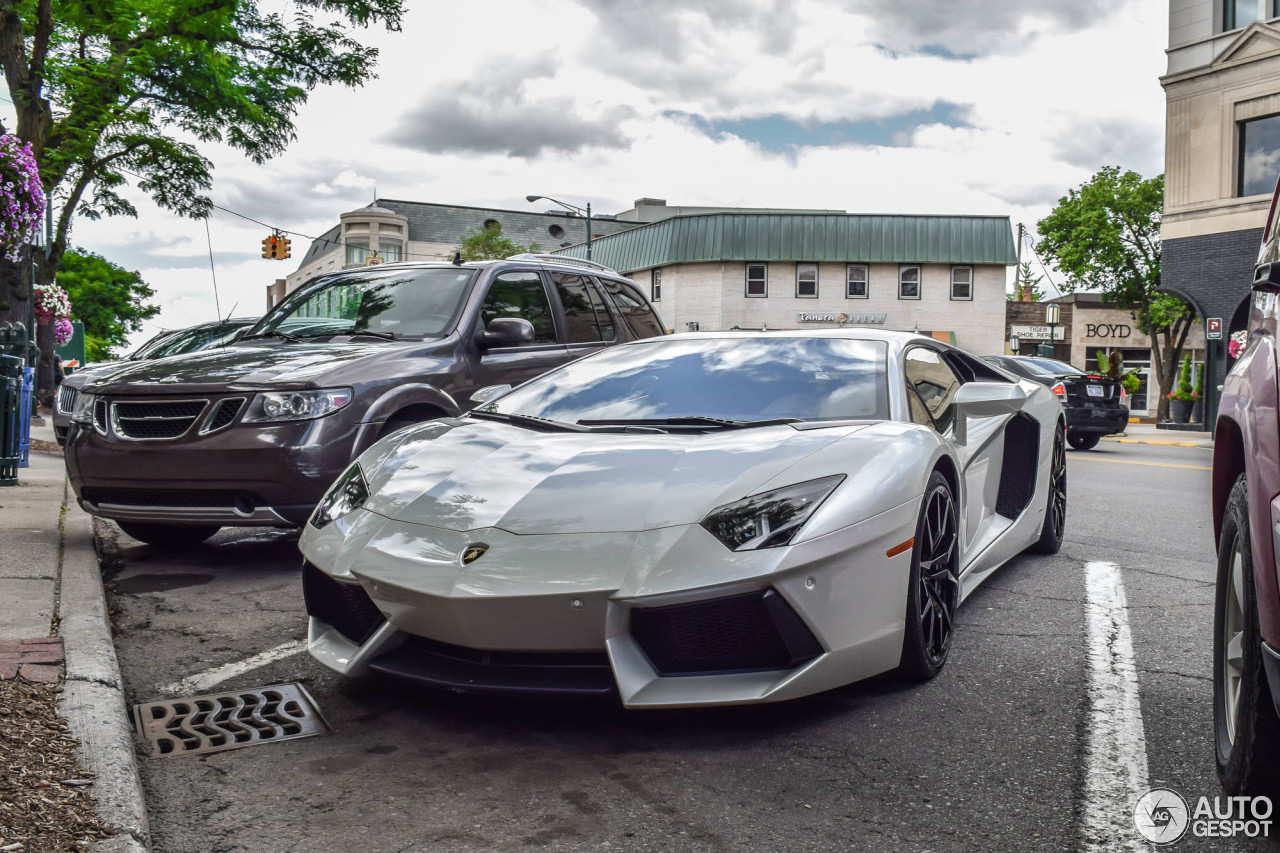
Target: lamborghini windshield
{"x":385,"y":303}
{"x":740,"y":379}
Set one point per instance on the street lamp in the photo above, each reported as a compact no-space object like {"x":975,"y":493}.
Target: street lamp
{"x":569,"y":207}
{"x":1015,"y":344}
{"x":1052,"y":314}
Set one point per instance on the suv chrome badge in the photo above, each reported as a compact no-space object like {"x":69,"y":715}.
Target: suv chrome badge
{"x":473,"y":553}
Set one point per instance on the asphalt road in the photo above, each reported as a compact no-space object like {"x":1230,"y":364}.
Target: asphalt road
{"x":989,"y":756}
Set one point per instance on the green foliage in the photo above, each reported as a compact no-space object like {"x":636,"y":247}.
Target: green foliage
{"x":1199,"y":389}
{"x":486,"y":244}
{"x":1026,"y":278}
{"x":128,"y":88}
{"x":1131,"y":381}
{"x":111,"y":301}
{"x":1184,"y":390}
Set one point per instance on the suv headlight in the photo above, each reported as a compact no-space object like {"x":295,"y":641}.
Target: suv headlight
{"x":82,"y":411}
{"x":769,"y":519}
{"x":272,"y":406}
{"x":348,"y":493}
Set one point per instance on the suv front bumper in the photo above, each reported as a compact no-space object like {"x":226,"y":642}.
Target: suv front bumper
{"x":248,"y":475}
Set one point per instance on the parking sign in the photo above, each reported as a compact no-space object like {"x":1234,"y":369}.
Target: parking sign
{"x":1213,"y":329}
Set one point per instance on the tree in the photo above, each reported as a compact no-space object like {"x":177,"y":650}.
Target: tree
{"x":105,"y":93}
{"x":1026,"y":285}
{"x":487,"y":243}
{"x":111,"y":301}
{"x":1107,"y":233}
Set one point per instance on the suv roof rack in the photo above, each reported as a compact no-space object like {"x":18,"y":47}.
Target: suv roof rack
{"x":562,"y":259}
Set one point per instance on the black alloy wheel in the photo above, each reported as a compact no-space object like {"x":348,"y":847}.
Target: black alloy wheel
{"x":1055,"y":514}
{"x":934,"y":593}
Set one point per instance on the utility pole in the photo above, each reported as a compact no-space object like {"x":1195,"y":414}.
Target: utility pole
{"x":1017,"y":273}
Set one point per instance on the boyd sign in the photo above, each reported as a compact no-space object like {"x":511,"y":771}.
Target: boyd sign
{"x":1107,"y":330}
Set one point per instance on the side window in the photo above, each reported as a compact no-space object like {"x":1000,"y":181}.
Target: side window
{"x":585,"y":314}
{"x":807,"y":281}
{"x":909,"y":282}
{"x":856,"y":285}
{"x":757,"y":280}
{"x":521,"y":294}
{"x":935,"y":383}
{"x":635,"y":312}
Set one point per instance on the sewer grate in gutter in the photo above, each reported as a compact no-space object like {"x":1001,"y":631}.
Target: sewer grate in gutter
{"x":218,"y":721}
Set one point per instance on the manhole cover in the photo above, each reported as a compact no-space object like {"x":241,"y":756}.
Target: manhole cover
{"x":221,"y":721}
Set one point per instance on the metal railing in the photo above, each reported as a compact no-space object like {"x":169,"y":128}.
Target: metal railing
{"x":562,"y":259}
{"x":11,"y":425}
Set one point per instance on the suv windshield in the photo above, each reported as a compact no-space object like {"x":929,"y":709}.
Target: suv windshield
{"x":189,"y":340}
{"x":735,"y":379}
{"x":399,"y":302}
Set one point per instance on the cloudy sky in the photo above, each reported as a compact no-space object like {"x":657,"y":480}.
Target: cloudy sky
{"x":877,"y":106}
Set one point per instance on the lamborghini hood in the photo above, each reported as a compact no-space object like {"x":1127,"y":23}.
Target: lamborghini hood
{"x":465,"y":475}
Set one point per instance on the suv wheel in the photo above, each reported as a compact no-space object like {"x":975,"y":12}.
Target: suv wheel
{"x":1083,"y":440}
{"x":1246,"y":728}
{"x":168,"y":535}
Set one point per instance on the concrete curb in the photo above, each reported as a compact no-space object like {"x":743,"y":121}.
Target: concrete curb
{"x":93,"y":697}
{"x":1153,"y":441}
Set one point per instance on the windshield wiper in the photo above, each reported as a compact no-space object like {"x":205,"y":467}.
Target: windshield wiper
{"x":293,"y":339}
{"x":386,"y":336}
{"x":690,"y":422}
{"x":531,"y":421}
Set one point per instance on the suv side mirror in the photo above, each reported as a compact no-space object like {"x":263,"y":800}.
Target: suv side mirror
{"x":507,"y":332}
{"x":238,"y":334}
{"x":984,"y":400}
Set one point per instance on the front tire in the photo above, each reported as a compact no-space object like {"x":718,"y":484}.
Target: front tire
{"x":1055,"y":514}
{"x":1246,"y":728}
{"x":934,"y":591}
{"x":169,"y":536}
{"x":1083,"y":440}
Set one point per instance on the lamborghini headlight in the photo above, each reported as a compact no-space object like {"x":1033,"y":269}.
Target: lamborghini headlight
{"x":769,"y":519}
{"x":348,"y":493}
{"x":82,"y":411}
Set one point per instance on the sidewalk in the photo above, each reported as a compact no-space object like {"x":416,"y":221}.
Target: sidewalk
{"x":53,"y":614}
{"x":1151,"y":434}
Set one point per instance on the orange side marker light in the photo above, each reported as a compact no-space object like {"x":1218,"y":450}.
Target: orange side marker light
{"x":898,"y":549}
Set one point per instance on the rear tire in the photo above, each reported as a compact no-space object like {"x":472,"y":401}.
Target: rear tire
{"x":934,"y":588}
{"x":1246,"y":728}
{"x":170,"y":536}
{"x":1083,"y":440}
{"x":1055,"y":513}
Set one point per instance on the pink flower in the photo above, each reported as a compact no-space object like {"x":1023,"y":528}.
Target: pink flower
{"x":63,"y":331}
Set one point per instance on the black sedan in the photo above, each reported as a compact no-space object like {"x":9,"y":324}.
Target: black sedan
{"x":1096,"y":405}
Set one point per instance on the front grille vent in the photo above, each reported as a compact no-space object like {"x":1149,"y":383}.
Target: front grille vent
{"x":345,"y":606}
{"x":100,"y":416}
{"x":67,"y":399}
{"x":224,"y":412}
{"x":152,"y":421}
{"x":245,"y":501}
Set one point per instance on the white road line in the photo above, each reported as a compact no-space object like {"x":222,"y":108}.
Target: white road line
{"x":1116,"y":748}
{"x":200,"y":682}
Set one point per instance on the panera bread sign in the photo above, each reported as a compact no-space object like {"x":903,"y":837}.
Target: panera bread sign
{"x":821,"y":317}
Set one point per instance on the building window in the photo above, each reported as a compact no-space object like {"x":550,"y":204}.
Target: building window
{"x":962,"y":282}
{"x":1258,"y":156}
{"x":389,"y":250}
{"x":656,"y":293}
{"x":757,"y":280}
{"x":1241,"y":13}
{"x":807,"y":281}
{"x":357,"y":251}
{"x":856,"y":282}
{"x":909,"y":282}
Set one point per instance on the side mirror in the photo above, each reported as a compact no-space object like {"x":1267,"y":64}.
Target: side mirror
{"x":488,"y":392}
{"x":985,"y":400}
{"x":507,"y":332}
{"x":238,"y":334}
{"x":1266,"y":278}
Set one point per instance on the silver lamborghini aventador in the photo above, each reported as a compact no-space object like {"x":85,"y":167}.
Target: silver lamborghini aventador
{"x":699,"y":519}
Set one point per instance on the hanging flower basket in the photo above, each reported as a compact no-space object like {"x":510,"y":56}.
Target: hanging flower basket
{"x":52,"y":303}
{"x":1237,"y":343}
{"x":21,"y":197}
{"x":63,"y":331}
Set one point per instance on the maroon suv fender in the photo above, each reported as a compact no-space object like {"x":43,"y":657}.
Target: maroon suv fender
{"x":1248,"y":439}
{"x":417,"y":398}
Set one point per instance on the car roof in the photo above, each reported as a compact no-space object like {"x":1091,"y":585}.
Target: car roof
{"x":522,"y":261}
{"x":896,"y":340}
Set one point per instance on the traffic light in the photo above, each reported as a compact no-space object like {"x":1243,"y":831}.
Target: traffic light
{"x":269,"y":247}
{"x":275,"y":247}
{"x":282,"y":248}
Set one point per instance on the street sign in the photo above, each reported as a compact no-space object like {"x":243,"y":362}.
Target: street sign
{"x":1213,"y":329}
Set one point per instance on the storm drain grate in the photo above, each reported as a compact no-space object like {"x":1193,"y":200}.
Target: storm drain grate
{"x":219,"y":721}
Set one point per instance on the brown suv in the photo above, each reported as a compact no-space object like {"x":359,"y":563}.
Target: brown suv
{"x":253,"y":433}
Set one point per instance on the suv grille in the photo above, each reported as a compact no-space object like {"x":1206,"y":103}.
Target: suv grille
{"x":150,"y":421}
{"x":245,"y":501}
{"x":66,"y":399}
{"x":224,"y":412}
{"x":100,"y":416}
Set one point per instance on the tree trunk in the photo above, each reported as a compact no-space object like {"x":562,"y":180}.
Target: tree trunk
{"x":44,"y":377}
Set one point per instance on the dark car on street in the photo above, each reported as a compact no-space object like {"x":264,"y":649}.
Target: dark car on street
{"x":1246,"y":523}
{"x":1096,"y":405}
{"x":254,"y":433}
{"x":166,"y":343}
